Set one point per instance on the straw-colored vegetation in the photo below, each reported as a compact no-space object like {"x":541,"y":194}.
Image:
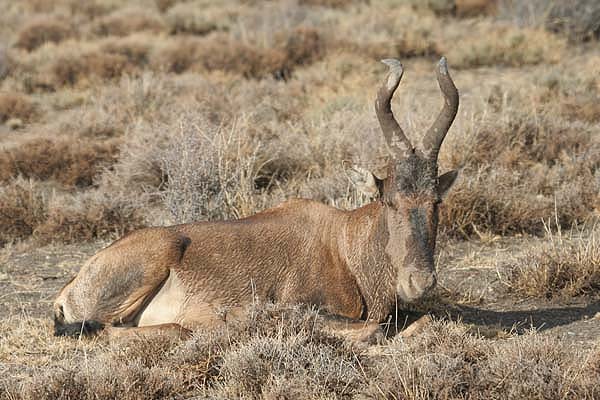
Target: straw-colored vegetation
{"x":117,"y":115}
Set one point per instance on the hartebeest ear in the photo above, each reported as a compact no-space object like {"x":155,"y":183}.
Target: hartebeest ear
{"x":364,"y":180}
{"x":445,"y":182}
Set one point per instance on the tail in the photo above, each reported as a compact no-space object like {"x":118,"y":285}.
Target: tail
{"x":77,"y":329}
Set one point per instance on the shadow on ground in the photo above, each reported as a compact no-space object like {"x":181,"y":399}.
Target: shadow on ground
{"x":542,"y":318}
{"x":516,"y":319}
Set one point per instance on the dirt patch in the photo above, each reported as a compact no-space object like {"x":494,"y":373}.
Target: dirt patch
{"x":29,"y":280}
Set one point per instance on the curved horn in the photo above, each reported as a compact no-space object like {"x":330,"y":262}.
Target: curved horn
{"x":394,"y":136}
{"x":432,"y":141}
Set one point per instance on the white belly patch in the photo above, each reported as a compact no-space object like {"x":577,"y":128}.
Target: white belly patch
{"x":167,"y":304}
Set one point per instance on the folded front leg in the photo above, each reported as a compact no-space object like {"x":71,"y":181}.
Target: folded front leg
{"x":172,"y":331}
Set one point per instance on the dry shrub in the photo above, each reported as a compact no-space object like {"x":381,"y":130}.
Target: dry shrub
{"x":139,"y":169}
{"x":584,"y":107}
{"x":474,"y":8}
{"x":6,"y":63}
{"x":222,"y":53}
{"x":224,"y":363}
{"x":249,"y":61}
{"x":41,"y":6}
{"x":74,"y":68}
{"x":134,"y":382}
{"x":504,"y":45}
{"x":226,"y":165}
{"x":285,"y":352}
{"x":89,"y":215}
{"x":113,"y":110}
{"x":210,"y":172}
{"x":290,"y":367}
{"x":136,"y":49}
{"x":440,"y":7}
{"x":562,"y":267}
{"x":578,"y":19}
{"x":126,"y":21}
{"x":441,"y":362}
{"x":93,"y":9}
{"x":67,"y":162}
{"x":181,"y":55}
{"x":140,"y":376}
{"x":42,"y":30}
{"x":518,"y":173}
{"x":492,"y":200}
{"x":23,"y":207}
{"x":458,"y":8}
{"x":522,"y":135}
{"x":446,"y":361}
{"x":378,"y":33}
{"x":38,"y":210}
{"x":165,"y":5}
{"x":194,"y":19}
{"x":330,"y":3}
{"x":408,"y":46}
{"x":16,"y":105}
{"x":302,"y":46}
{"x":504,"y":202}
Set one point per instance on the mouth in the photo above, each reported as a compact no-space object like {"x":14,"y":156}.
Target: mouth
{"x":408,"y":296}
{"x":415,"y":287}
{"x":77,"y":329}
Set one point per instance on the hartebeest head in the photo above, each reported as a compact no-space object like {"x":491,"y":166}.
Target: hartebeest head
{"x":411,"y":189}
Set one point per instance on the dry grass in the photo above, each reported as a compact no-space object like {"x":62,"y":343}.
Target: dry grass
{"x":16,"y":105}
{"x":43,"y":30}
{"x":458,"y":8}
{"x":135,"y":49}
{"x":329,"y":3}
{"x":210,"y":172}
{"x":505,"y":45}
{"x":564,"y":266}
{"x":165,"y":5}
{"x":448,"y":362}
{"x":29,"y":209}
{"x":222,"y":53}
{"x":71,"y":69}
{"x":88,"y":216}
{"x":124,"y":22}
{"x":577,"y":19}
{"x":23,"y":207}
{"x":196,"y":18}
{"x":521,"y":166}
{"x":285,"y":353}
{"x":72,"y":164}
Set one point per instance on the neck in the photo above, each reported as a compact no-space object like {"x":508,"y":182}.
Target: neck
{"x":366,"y":239}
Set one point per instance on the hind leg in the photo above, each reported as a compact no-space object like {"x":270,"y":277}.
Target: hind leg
{"x":115,"y":285}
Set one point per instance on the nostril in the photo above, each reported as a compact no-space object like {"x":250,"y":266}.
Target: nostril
{"x":432,"y":281}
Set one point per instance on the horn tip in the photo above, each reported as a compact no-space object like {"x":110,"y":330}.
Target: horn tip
{"x":393,"y":64}
{"x":443,"y":65}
